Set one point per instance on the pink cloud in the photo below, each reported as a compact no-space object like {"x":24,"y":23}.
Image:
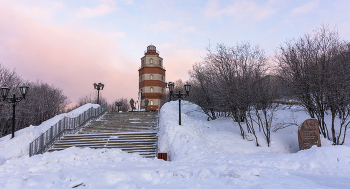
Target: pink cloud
{"x":305,"y":8}
{"x":241,"y":10}
{"x":100,"y":10}
{"x":70,"y":58}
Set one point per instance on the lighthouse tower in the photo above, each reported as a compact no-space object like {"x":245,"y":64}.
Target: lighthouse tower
{"x":151,"y":78}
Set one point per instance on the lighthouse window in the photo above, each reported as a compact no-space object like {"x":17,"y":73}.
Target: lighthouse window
{"x":160,"y":63}
{"x":151,"y":77}
{"x":151,"y":61}
{"x":162,"y":78}
{"x":151,"y":89}
{"x":143,"y":62}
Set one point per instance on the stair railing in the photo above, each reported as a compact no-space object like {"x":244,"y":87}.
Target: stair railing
{"x":65,"y":126}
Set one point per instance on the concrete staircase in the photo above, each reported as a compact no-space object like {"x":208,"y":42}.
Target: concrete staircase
{"x":133,"y":132}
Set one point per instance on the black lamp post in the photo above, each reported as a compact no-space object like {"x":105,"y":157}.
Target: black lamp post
{"x":118,"y":104}
{"x":14,"y":100}
{"x":99,"y":87}
{"x":179,"y":95}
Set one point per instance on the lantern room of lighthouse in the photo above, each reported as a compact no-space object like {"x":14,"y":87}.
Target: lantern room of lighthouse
{"x":151,"y":78}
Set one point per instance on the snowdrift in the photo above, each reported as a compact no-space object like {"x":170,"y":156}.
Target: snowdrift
{"x":18,"y":146}
{"x":204,"y":154}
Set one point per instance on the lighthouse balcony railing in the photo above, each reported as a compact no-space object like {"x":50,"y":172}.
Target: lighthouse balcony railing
{"x":151,"y":51}
{"x":152,"y":65}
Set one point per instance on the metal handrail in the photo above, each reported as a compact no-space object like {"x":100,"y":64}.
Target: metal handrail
{"x":65,"y":126}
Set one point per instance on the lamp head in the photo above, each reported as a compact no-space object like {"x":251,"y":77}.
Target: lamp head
{"x":171,"y":87}
{"x":24,"y":89}
{"x":4,"y":92}
{"x":187,"y":88}
{"x":95,"y":86}
{"x":102,"y":85}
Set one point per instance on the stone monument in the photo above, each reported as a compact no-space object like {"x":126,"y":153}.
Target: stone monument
{"x":309,"y":134}
{"x":132,"y":104}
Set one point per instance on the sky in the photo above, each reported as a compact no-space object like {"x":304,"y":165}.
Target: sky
{"x":73,"y":44}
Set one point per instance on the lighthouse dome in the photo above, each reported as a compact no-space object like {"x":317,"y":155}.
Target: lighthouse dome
{"x":151,"y":49}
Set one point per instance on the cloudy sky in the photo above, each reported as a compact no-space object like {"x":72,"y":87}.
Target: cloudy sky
{"x":75,"y":43}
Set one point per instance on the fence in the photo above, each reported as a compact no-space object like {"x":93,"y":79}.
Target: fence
{"x":288,"y":101}
{"x":64,"y":126}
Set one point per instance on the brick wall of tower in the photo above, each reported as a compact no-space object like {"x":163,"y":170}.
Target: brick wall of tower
{"x":151,"y":70}
{"x":157,"y":71}
{"x":145,"y":83}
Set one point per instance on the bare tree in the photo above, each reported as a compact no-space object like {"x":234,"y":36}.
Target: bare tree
{"x":89,"y":98}
{"x":12,"y":80}
{"x":262,"y":108}
{"x":124,"y":107}
{"x":200,"y":91}
{"x":317,"y":67}
{"x":43,"y":101}
{"x":179,"y":86}
{"x":225,"y":81}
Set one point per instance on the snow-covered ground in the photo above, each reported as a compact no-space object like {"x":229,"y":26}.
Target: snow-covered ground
{"x":204,"y":154}
{"x":19,"y":145}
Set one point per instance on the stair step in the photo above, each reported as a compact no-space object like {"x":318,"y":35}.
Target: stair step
{"x":105,"y":144}
{"x":132,"y":132}
{"x":110,"y":143}
{"x":128,"y":148}
{"x":110,"y":139}
{"x":108,"y":136}
{"x":126,"y":133}
{"x":116,"y":145}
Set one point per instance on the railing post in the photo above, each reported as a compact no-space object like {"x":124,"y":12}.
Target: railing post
{"x":51,"y":133}
{"x":30,"y":149}
{"x":41,"y":143}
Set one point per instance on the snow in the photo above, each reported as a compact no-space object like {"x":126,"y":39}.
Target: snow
{"x":203,"y":154}
{"x":25,"y":136}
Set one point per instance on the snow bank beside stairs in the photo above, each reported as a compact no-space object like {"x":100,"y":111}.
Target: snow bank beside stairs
{"x":19,"y":145}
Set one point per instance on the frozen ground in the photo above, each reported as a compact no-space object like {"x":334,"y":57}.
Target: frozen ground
{"x":204,"y":154}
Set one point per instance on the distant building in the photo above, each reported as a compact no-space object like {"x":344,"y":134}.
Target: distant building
{"x":274,"y":84}
{"x":151,"y":78}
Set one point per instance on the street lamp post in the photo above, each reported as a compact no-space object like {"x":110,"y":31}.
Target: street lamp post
{"x":118,"y":104}
{"x":14,"y":100}
{"x":179,"y":95}
{"x":99,"y":87}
